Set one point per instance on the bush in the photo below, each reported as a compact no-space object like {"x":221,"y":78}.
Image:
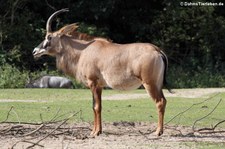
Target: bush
{"x":11,"y":77}
{"x":179,"y":77}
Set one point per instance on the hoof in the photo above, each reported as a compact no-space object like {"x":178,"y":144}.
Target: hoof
{"x":159,"y":132}
{"x":95,"y":134}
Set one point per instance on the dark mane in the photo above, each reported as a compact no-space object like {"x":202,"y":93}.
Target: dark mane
{"x":71,"y":30}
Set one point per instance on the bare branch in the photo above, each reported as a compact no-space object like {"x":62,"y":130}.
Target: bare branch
{"x":34,"y":144}
{"x":7,"y":116}
{"x":55,"y":117}
{"x":191,"y":107}
{"x":27,"y":141}
{"x":223,"y":121}
{"x":10,"y":128}
{"x":52,"y":7}
{"x":18,"y":119}
{"x":193,"y":127}
{"x":213,"y":128}
{"x":32,"y":132}
{"x":41,"y":127}
{"x":63,"y":122}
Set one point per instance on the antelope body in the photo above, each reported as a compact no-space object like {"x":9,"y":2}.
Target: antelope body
{"x":50,"y":82}
{"x":97,"y":62}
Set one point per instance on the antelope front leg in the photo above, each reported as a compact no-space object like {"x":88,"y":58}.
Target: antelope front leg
{"x":95,"y":118}
{"x":97,"y":108}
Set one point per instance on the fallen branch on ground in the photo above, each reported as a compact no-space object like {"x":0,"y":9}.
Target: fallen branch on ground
{"x":193,"y":126}
{"x":48,"y":125}
{"x":7,"y":116}
{"x":195,"y":104}
{"x":33,"y":131}
{"x":63,"y":122}
{"x":212,"y":130}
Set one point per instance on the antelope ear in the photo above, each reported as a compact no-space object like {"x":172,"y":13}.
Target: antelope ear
{"x":68,"y":29}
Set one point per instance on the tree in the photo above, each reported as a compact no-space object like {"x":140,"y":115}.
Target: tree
{"x":193,"y":37}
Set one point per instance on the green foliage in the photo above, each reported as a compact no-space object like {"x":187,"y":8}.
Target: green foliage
{"x":11,"y":77}
{"x":192,"y":37}
{"x":188,"y":33}
{"x":92,"y":30}
{"x":179,"y":77}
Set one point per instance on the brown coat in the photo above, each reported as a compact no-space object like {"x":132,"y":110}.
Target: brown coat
{"x":97,"y":62}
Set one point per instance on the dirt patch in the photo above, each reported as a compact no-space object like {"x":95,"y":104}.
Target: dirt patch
{"x":194,"y":93}
{"x":28,"y":100}
{"x":115,"y":135}
{"x":186,"y":93}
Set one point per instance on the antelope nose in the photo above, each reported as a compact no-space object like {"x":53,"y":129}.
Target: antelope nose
{"x":35,"y":51}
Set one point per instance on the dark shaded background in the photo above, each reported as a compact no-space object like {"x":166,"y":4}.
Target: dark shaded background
{"x":193,"y":37}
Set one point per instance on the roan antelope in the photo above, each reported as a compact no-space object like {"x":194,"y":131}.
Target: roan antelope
{"x":97,"y":62}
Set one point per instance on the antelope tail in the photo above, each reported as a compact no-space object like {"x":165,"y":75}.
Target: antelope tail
{"x":165,"y":60}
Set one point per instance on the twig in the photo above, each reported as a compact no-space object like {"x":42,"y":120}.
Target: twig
{"x":55,"y":117}
{"x":39,"y":128}
{"x":191,"y":107}
{"x":10,"y":128}
{"x":63,"y":122}
{"x":81,"y":114}
{"x":42,"y":121}
{"x":27,"y":141}
{"x":218,"y":124}
{"x":49,"y":5}
{"x":32,"y":132}
{"x":7,"y":116}
{"x":52,"y":121}
{"x":213,"y":128}
{"x":193,"y":126}
{"x":23,"y":123}
{"x":16,"y":115}
{"x":30,"y":123}
{"x":22,"y":130}
{"x":8,"y":113}
{"x":145,"y":134}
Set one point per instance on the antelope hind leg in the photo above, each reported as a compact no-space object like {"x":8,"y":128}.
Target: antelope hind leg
{"x":160,"y":101}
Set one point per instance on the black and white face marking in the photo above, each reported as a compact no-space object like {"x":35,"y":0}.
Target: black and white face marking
{"x":42,"y":48}
{"x":47,"y":41}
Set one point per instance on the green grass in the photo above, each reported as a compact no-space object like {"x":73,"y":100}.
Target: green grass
{"x":45,"y":94}
{"x":49,"y":101}
{"x":188,"y":145}
{"x":208,"y":145}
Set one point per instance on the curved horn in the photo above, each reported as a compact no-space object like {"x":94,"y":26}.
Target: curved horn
{"x":49,"y":22}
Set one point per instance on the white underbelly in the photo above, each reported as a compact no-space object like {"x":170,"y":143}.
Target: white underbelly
{"x":122,"y":82}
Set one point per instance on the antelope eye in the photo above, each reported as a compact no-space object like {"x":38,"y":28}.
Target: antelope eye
{"x":47,"y":42}
{"x":49,"y":38}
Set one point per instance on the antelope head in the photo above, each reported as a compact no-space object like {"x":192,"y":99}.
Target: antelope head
{"x":51,"y":42}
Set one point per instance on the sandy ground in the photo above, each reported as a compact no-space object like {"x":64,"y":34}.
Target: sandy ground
{"x":187,"y":93}
{"x":122,"y":135}
{"x":119,"y":135}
